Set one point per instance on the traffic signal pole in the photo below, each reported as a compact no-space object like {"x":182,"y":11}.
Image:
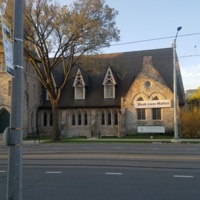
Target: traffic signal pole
{"x":14,"y":182}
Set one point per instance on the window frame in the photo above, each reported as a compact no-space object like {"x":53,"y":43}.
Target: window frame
{"x":51,"y":119}
{"x":103,"y":118}
{"x":116,"y":118}
{"x":109,"y":84}
{"x":85,"y":118}
{"x":73,"y":122}
{"x":45,"y":120}
{"x":109,"y":91}
{"x":156,"y":114}
{"x":79,"y":119}
{"x":109,"y":120}
{"x":141,"y":114}
{"x":78,"y":88}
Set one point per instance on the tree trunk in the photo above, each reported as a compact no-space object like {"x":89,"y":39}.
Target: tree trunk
{"x":55,"y":117}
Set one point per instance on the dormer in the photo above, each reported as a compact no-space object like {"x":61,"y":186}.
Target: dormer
{"x":79,"y":86}
{"x":109,"y":84}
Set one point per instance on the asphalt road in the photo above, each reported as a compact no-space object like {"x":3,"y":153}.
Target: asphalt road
{"x":107,"y":172}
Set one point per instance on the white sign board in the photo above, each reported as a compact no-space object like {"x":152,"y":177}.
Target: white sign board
{"x":151,"y":129}
{"x":8,"y":47}
{"x":153,"y":104}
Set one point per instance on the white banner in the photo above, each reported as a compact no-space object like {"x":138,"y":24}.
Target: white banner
{"x":151,"y":129}
{"x":8,"y":47}
{"x":153,"y":104}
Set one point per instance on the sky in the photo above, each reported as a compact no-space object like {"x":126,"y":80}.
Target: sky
{"x":142,"y":20}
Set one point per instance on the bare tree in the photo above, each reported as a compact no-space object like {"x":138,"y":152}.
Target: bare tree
{"x":61,"y":35}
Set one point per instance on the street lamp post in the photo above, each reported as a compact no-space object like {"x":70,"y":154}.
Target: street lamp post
{"x":176,"y":137}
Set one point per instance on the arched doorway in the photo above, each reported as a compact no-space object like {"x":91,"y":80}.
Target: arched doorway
{"x":4,"y":119}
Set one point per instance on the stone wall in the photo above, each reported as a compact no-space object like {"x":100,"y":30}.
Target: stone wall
{"x":148,"y":85}
{"x":32,"y":91}
{"x":90,"y":126}
{"x":32,"y":100}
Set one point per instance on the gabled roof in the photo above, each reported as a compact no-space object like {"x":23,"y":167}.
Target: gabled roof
{"x":125,"y":68}
{"x":78,"y":78}
{"x":147,"y":74}
{"x":109,"y":77}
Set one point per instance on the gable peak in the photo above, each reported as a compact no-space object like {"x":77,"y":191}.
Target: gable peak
{"x":109,"y":78}
{"x":147,"y":60}
{"x":78,"y":79}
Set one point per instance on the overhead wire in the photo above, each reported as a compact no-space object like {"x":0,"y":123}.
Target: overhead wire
{"x":195,"y":46}
{"x":162,"y":38}
{"x":152,"y":39}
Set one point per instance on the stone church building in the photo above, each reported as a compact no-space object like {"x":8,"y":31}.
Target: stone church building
{"x":107,"y":95}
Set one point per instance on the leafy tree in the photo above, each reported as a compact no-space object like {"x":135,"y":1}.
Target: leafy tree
{"x":194,"y":100}
{"x":61,"y":35}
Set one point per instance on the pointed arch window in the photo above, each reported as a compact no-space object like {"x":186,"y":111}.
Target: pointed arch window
{"x":79,"y":118}
{"x":85,"y":118}
{"x":109,"y":118}
{"x":45,"y":119}
{"x":73,"y":119}
{"x":109,"y":84}
{"x":32,"y":119}
{"x":102,"y":118}
{"x":79,"y":86}
{"x":51,"y":119}
{"x":141,"y":112}
{"x":116,"y":118}
{"x":156,"y":112}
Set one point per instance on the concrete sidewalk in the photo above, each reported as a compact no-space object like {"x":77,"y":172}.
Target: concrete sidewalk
{"x":36,"y":142}
{"x":25,"y":142}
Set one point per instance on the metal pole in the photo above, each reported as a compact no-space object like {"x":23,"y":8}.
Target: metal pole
{"x":176,"y":137}
{"x":175,"y":93}
{"x":14,"y":183}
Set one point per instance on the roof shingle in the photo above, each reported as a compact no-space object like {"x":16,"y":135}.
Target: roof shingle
{"x":125,"y":68}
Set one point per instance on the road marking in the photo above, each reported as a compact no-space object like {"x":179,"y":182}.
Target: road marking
{"x":2,"y":171}
{"x":153,"y":148}
{"x":56,"y":148}
{"x":118,"y":148}
{"x":53,"y":172}
{"x":113,"y":173}
{"x":182,"y":176}
{"x":191,"y":149}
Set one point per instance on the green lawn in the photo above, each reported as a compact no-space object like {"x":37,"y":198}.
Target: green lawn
{"x":107,"y":139}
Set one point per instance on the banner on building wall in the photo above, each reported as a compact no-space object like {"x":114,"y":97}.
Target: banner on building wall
{"x":8,"y":46}
{"x":151,"y":129}
{"x":153,"y":104}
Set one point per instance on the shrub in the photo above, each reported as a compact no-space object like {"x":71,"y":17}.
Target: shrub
{"x":190,"y":123}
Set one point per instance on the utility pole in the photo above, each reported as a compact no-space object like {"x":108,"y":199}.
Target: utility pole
{"x":14,"y":182}
{"x":176,"y":137}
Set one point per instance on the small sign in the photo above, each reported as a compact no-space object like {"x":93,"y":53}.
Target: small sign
{"x":151,"y":129}
{"x":153,"y":104}
{"x":8,"y":47}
